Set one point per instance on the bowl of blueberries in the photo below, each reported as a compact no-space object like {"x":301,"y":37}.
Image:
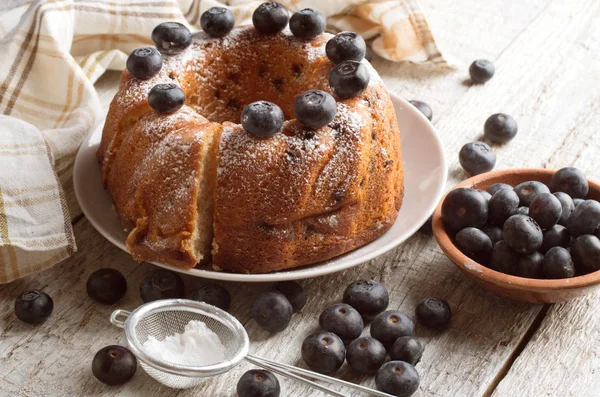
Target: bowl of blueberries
{"x":531,"y":235}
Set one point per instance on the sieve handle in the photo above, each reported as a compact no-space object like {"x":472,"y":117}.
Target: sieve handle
{"x":118,"y":317}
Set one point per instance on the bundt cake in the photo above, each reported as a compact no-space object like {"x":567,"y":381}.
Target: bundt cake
{"x":299,"y":183}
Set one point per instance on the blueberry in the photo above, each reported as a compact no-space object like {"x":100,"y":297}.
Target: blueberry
{"x":272,"y":311}
{"x":349,"y":79}
{"x":486,"y":195}
{"x":307,"y":24}
{"x":546,"y":210}
{"x":529,"y":190}
{"x":523,"y":234}
{"x":577,"y":201}
{"x":504,"y":258}
{"x":346,"y":46}
{"x":258,"y":383}
{"x":114,"y":365}
{"x":315,"y":108}
{"x":408,"y":349}
{"x":270,"y":17}
{"x":530,"y":266}
{"x":556,"y":236}
{"x":434,"y":313}
{"x":567,"y":205}
{"x":493,"y":232}
{"x":390,"y":325}
{"x":171,"y":37}
{"x":162,"y":284}
{"x":323,"y":352}
{"x":522,"y":211}
{"x":481,"y":71}
{"x":475,"y":244}
{"x":496,"y":187}
{"x":585,"y":219}
{"x":213,"y":294}
{"x":423,"y":108}
{"x":343,"y":320}
{"x":144,"y":63}
{"x":398,"y":379}
{"x":262,"y":119}
{"x":558,"y":263}
{"x":427,"y":227}
{"x":365,"y":355}
{"x":464,"y":207}
{"x":586,"y":253}
{"x":500,"y":128}
{"x":368,"y":297}
{"x":33,"y":306}
{"x":502,"y":206}
{"x":217,"y":21}
{"x":294,"y":293}
{"x":570,"y":180}
{"x":477,"y":158}
{"x":166,"y":98}
{"x":106,"y":286}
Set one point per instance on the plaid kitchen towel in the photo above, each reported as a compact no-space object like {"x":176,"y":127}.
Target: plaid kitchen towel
{"x":52,"y":52}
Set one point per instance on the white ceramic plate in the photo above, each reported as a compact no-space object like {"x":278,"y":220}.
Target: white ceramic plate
{"x":425,"y":178}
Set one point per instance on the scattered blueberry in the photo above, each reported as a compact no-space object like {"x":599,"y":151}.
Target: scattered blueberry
{"x":294,"y":293}
{"x":504,"y":258}
{"x":258,"y":383}
{"x":171,"y":37}
{"x":464,"y":207}
{"x":114,"y":365}
{"x":398,"y":379}
{"x":567,"y":205}
{"x":493,"y":232}
{"x":530,"y":266}
{"x":33,"y":306}
{"x":343,"y":320}
{"x":368,"y":297}
{"x":423,"y":108}
{"x":475,"y":244}
{"x":144,"y":63}
{"x":323,"y":352}
{"x":217,"y":21}
{"x":571,"y":181}
{"x":558,"y":263}
{"x":496,"y":187}
{"x":408,"y":349}
{"x":434,"y":313}
{"x":477,"y":158}
{"x":262,"y":119}
{"x":106,"y":286}
{"x":365,"y":355}
{"x":315,"y":108}
{"x":500,"y":128}
{"x":213,"y":294}
{"x":529,"y":190}
{"x":349,"y":79}
{"x":427,"y":227}
{"x":162,"y":284}
{"x":546,"y":210}
{"x":556,"y":236}
{"x":522,"y":211}
{"x":270,"y":17}
{"x":307,"y":24}
{"x":502,"y":206}
{"x":586,"y":252}
{"x":346,"y":46}
{"x":523,"y":234}
{"x":390,"y":325}
{"x":481,"y":71}
{"x":585,"y":219}
{"x":166,"y":98}
{"x":272,"y":311}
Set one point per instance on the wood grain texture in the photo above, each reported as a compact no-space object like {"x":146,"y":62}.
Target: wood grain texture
{"x":548,"y":70}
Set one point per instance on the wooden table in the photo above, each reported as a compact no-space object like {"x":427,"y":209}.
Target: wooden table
{"x":547,"y":57}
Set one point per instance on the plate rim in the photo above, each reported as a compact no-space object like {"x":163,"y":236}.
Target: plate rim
{"x":310,"y":271}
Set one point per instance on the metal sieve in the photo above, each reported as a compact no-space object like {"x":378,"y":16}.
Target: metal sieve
{"x":169,"y":316}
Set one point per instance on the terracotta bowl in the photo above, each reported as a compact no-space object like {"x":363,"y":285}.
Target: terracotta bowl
{"x":513,"y":287}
